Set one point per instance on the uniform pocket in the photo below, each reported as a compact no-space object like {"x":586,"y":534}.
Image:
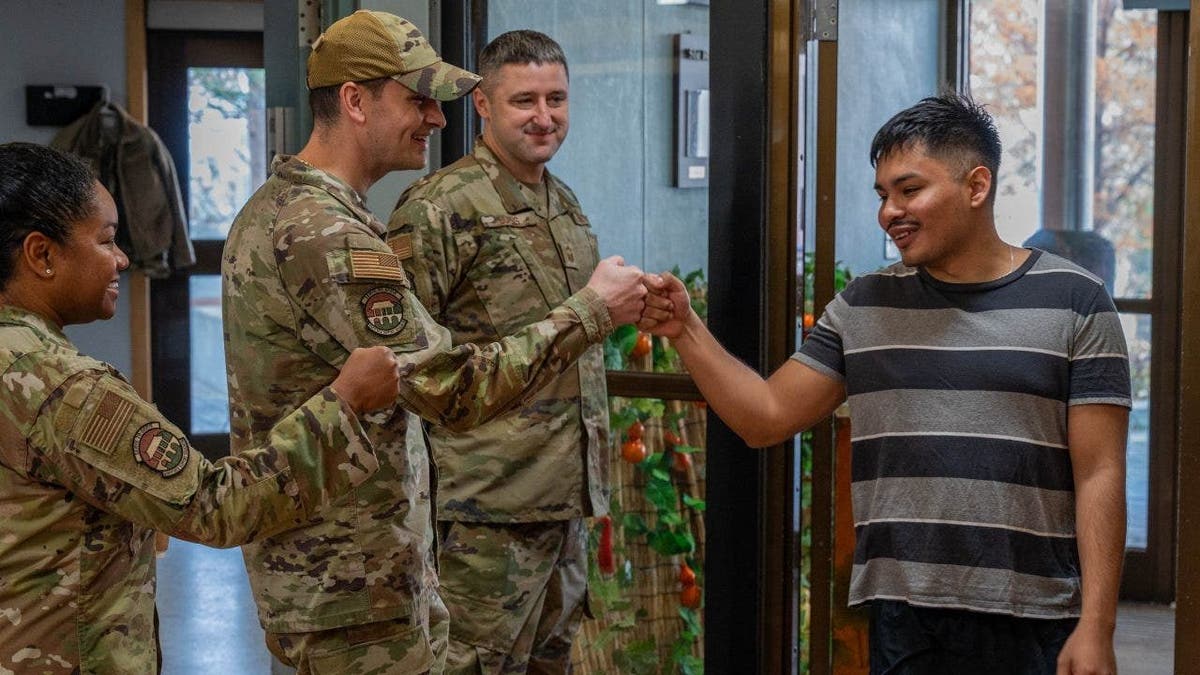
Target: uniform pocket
{"x":374,"y":648}
{"x":505,"y":284}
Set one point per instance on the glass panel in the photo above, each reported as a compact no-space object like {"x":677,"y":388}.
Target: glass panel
{"x":226,"y":145}
{"x":1008,"y":52}
{"x":1004,"y":74}
{"x":1137,"y":453}
{"x":1123,"y":207}
{"x":210,"y":398}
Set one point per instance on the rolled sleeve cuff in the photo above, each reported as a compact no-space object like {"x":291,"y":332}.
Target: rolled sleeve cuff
{"x":593,"y":314}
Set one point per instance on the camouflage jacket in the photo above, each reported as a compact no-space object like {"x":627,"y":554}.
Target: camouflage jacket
{"x":307,"y":277}
{"x":88,"y":472}
{"x":489,"y":256}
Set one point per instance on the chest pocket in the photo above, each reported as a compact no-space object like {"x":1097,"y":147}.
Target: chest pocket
{"x":510,"y":275}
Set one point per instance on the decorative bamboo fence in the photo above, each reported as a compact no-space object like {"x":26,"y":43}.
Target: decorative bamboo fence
{"x":640,"y":635}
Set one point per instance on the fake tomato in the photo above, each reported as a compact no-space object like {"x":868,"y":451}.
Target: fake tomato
{"x":687,"y":577}
{"x":671,"y":439}
{"x":636,"y":430}
{"x":681,"y":462}
{"x":633,"y":452}
{"x":690,"y":596}
{"x":642,"y":347}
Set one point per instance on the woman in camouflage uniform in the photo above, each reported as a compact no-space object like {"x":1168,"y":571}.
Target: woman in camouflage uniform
{"x":89,"y":471}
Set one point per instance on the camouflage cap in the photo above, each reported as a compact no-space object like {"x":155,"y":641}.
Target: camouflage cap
{"x":368,"y":45}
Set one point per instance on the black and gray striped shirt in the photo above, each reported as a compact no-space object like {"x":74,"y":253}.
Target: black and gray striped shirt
{"x":958,"y":393}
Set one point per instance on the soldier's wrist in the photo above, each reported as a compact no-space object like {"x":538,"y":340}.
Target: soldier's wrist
{"x":593,"y":314}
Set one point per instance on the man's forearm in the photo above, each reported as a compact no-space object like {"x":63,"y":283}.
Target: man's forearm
{"x":762,"y":412}
{"x":1100,"y":533}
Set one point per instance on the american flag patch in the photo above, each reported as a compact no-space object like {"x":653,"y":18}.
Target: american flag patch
{"x":375,"y":265}
{"x":108,"y":420}
{"x":401,"y":245}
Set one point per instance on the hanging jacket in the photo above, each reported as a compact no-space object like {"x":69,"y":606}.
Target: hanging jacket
{"x":132,"y":162}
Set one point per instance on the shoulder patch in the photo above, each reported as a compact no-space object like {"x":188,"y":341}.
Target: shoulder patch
{"x":108,"y":420}
{"x":375,"y":265}
{"x":160,"y":450}
{"x":401,"y":246}
{"x":383,"y":310}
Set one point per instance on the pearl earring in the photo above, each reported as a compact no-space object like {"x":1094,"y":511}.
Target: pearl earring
{"x":49,"y":271}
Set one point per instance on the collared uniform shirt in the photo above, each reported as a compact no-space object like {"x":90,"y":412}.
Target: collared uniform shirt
{"x":489,"y":255}
{"x":307,"y":277}
{"x":89,"y":471}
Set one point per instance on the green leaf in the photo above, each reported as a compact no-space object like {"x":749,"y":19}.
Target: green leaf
{"x":671,"y":519}
{"x":662,"y":494}
{"x":648,"y":407}
{"x":670,"y":543}
{"x":693,"y":503}
{"x":634,"y":525}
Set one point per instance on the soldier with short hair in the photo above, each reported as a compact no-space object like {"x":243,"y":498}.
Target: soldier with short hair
{"x":497,"y":240}
{"x":307,"y":276}
{"x":89,"y":471}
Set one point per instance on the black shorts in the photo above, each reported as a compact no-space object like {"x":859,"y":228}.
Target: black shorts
{"x":907,"y":640}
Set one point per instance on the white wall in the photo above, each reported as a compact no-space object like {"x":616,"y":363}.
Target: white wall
{"x":65,"y":42}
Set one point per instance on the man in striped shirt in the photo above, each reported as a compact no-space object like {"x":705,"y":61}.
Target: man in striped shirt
{"x":989,"y":390}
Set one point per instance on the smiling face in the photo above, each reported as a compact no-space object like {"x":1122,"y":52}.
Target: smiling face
{"x":87,"y":268}
{"x":399,"y":122}
{"x":931,"y":208}
{"x":526,"y":116}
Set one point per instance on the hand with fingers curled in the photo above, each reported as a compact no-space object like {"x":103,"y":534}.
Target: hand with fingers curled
{"x":369,"y":379}
{"x":621,"y":288}
{"x":668,"y":308}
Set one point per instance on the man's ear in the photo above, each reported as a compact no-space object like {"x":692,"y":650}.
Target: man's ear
{"x":350,"y":96}
{"x":979,"y":185}
{"x":481,"y":103}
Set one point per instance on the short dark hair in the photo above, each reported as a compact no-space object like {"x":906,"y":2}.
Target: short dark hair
{"x":41,"y":190}
{"x":949,"y":126}
{"x":323,"y":101}
{"x":520,"y":47}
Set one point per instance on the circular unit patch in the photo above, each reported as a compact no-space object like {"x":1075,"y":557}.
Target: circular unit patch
{"x":160,"y":450}
{"x":382,"y":310}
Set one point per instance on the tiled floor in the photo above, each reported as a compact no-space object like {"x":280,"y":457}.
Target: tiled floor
{"x":208,"y":625}
{"x":1145,"y":639}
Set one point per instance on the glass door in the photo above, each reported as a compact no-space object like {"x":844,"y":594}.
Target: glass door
{"x":208,"y":105}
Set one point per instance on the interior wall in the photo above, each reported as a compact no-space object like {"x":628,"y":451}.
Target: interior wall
{"x":67,"y":42}
{"x":619,"y":153}
{"x":887,"y":61}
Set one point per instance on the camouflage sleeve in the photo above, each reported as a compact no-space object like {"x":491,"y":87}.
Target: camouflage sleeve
{"x":468,"y":385}
{"x":425,"y":230}
{"x":346,"y":279}
{"x":98,"y":438}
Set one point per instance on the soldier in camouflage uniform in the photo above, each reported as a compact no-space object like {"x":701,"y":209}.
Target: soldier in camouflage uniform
{"x":89,"y":471}
{"x":497,"y":240}
{"x":308,"y":275}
